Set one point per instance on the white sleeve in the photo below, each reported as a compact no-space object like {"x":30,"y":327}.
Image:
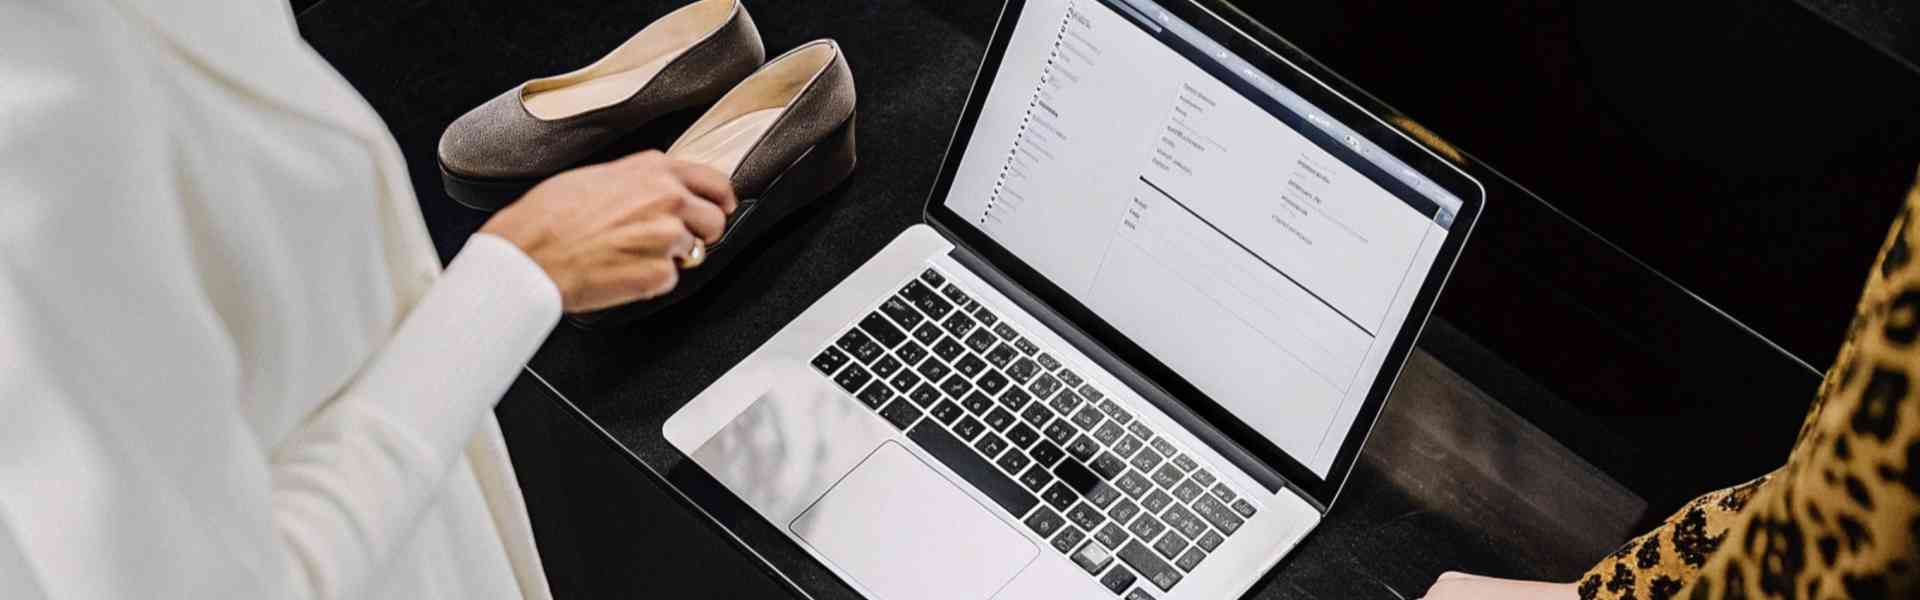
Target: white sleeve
{"x":126,"y":466}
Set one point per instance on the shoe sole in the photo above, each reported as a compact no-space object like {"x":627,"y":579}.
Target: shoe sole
{"x":819,"y":171}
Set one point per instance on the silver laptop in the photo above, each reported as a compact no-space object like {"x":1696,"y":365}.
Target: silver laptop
{"x":1165,"y":283}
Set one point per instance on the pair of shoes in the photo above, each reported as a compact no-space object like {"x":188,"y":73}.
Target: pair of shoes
{"x":782,"y":131}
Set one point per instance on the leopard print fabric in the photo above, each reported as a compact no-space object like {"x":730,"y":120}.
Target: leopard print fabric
{"x":1842,"y":518}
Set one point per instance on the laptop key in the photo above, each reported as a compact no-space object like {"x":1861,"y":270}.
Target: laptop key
{"x":948,"y":349}
{"x":1021,"y":435}
{"x":1083,"y":448}
{"x":1036,"y":478}
{"x":934,"y":370}
{"x":927,"y":333}
{"x":887,"y":366}
{"x":1147,"y":528}
{"x":933,"y":277}
{"x":1109,"y":433}
{"x":1163,"y":576}
{"x":853,"y":378}
{"x":1085,"y":516}
{"x":1065,"y":403}
{"x":1161,"y":445}
{"x":1022,"y":370}
{"x":1059,"y":431}
{"x":986,"y":317}
{"x":1139,"y":429}
{"x":1224,"y":492}
{"x":1047,"y":361}
{"x":1016,"y":398}
{"x":1093,"y":558}
{"x":1103,"y":495}
{"x":968,"y":428}
{"x":1077,"y":476}
{"x":1044,"y":521}
{"x":948,"y":412}
{"x":1111,"y":408}
{"x":955,"y":454}
{"x":1167,"y":475}
{"x":959,"y":324}
{"x":1218,"y":514}
{"x":926,"y":300}
{"x":1058,"y":495}
{"x":980,"y":341}
{"x":1210,"y":540}
{"x":1090,"y":393}
{"x":977,"y":403}
{"x":912,"y":352}
{"x":1133,"y":484}
{"x":1068,"y":539}
{"x":901,"y":413}
{"x":830,"y":360}
{"x":1147,"y":460}
{"x":1005,"y":331}
{"x":905,"y":381}
{"x":1112,"y":535}
{"x":1036,"y":414}
{"x":1190,"y":559}
{"x":882,"y":330}
{"x":1013,"y":461}
{"x":1043,"y":386}
{"x":991,"y":445}
{"x":956,"y":386}
{"x":860,"y":346}
{"x":952,"y":292}
{"x":875,"y":395}
{"x":1138,"y":594}
{"x":1171,"y":545}
{"x":970,"y":365}
{"x":1183,"y":521}
{"x":1087,"y":417}
{"x":992,"y":382}
{"x":1243,"y":507}
{"x":1026,"y":346}
{"x":1001,"y":356}
{"x":1185,"y":463}
{"x":1123,"y":511}
{"x":1187,"y":491}
{"x":1204,"y":478}
{"x":1072,"y":380}
{"x":1109,"y":466}
{"x":1155,"y":501}
{"x":1046,"y":453}
{"x":1118,"y":580}
{"x":1127,"y":446}
{"x":925,"y":394}
{"x":897,"y":309}
{"x":999,"y":419}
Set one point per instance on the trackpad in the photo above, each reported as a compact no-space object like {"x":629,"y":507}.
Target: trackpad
{"x":902,"y":531}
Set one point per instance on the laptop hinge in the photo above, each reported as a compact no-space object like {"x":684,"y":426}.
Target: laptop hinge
{"x":1266,"y":476}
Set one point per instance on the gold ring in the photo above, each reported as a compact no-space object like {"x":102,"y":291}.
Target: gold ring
{"x":695,"y":255}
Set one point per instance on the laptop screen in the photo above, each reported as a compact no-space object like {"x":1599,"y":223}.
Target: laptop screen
{"x":1259,"y":248}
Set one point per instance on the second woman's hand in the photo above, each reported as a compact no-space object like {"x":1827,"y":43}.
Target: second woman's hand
{"x":610,"y":234}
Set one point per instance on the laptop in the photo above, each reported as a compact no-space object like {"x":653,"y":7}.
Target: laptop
{"x":1165,"y":282}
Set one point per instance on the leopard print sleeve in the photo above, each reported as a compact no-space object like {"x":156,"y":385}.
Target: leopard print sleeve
{"x":1842,"y":518}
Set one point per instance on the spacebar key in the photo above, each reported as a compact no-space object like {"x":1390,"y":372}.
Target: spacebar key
{"x":956,"y":455}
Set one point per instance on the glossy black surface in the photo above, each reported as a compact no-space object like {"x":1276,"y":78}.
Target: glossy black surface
{"x":1606,"y":356}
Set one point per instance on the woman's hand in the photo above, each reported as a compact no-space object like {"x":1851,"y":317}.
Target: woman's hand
{"x":610,"y":234}
{"x":1461,"y":586}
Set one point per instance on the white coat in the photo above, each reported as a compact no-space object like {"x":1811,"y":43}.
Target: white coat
{"x":230,"y":364}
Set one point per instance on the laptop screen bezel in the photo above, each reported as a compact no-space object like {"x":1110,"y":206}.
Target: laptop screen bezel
{"x":1285,"y":63}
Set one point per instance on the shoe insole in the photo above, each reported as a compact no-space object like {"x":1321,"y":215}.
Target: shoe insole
{"x":724,"y":146}
{"x":596,"y":92}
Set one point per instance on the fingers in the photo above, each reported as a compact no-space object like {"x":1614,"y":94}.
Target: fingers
{"x":707,"y":182}
{"x":702,"y":218}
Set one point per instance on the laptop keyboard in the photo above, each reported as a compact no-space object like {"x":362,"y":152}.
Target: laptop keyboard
{"x":1122,"y":502}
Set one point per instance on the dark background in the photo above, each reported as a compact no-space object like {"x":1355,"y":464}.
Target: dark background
{"x":1751,"y":153}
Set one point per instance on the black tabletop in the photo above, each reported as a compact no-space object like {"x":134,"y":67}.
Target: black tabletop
{"x":1453,"y":479}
